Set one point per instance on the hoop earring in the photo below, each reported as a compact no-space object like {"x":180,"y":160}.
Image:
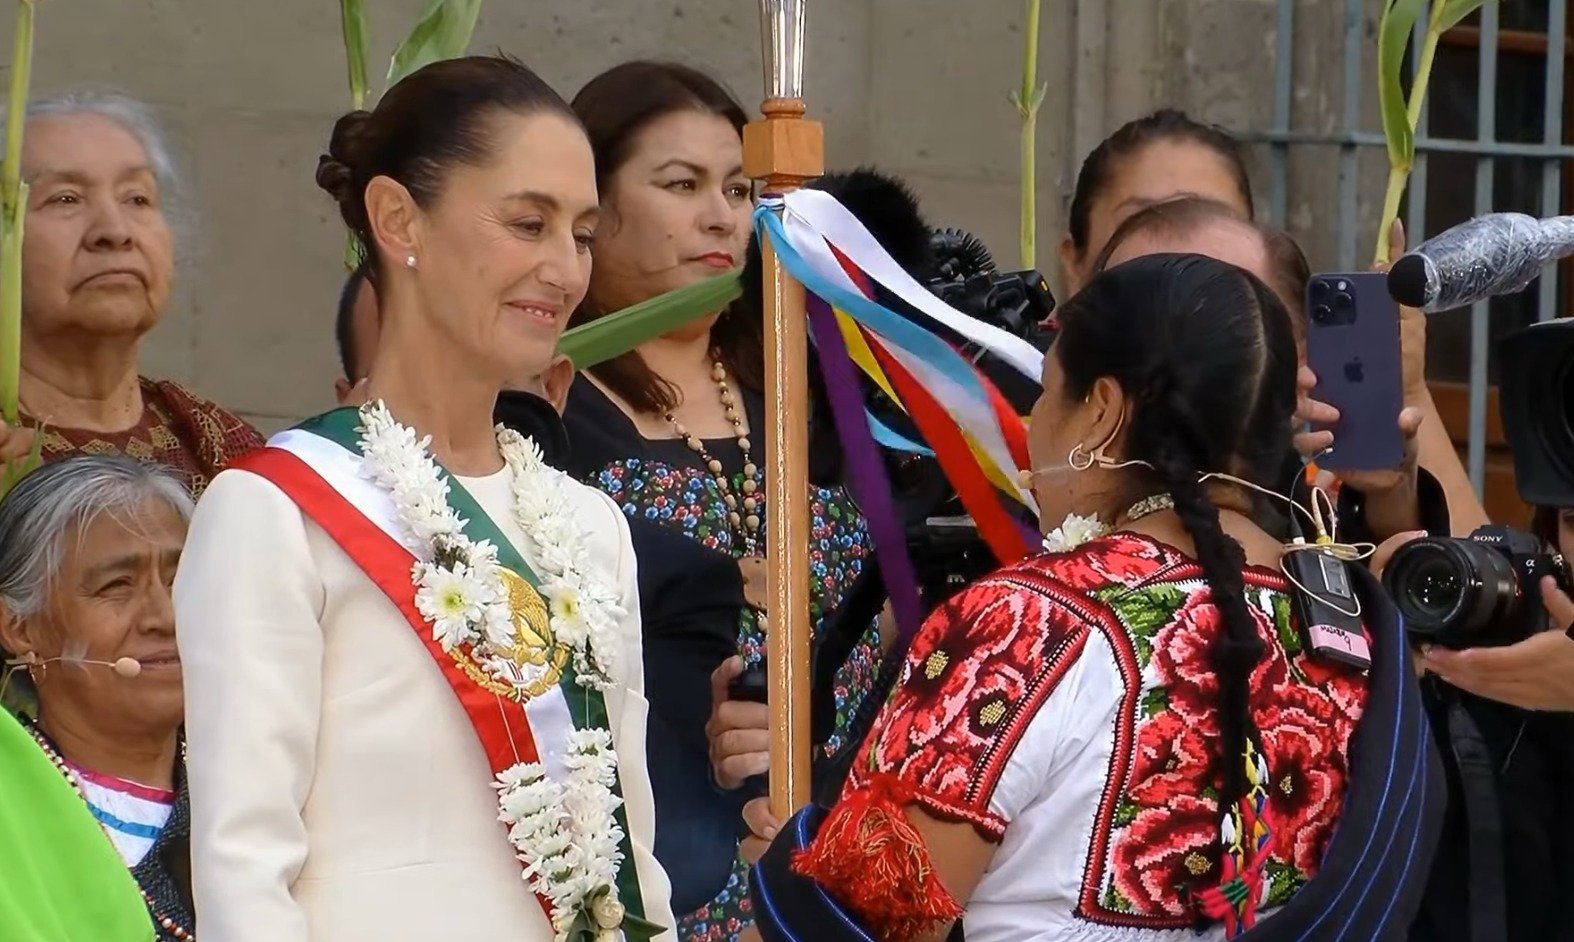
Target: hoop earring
{"x":1080,"y":459}
{"x":36,"y":667}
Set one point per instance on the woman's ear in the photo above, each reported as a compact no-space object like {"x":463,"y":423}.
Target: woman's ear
{"x":1070,"y":267}
{"x":394,"y":218}
{"x":1108,"y":403}
{"x":15,"y":639}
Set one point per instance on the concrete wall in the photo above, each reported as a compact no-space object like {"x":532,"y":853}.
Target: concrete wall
{"x":918,"y":87}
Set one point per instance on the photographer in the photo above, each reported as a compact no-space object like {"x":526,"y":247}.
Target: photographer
{"x":1489,"y":616}
{"x":1537,"y":673}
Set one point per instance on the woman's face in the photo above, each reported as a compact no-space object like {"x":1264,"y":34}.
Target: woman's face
{"x":505,"y":249}
{"x":677,"y":211}
{"x":1566,"y":532}
{"x":111,"y":599}
{"x":98,"y":255}
{"x":1161,"y":171}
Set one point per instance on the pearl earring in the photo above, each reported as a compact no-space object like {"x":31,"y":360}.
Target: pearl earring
{"x":409,"y":261}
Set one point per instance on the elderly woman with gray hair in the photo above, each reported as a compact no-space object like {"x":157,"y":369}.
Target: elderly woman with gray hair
{"x":97,"y":263}
{"x":88,"y":550}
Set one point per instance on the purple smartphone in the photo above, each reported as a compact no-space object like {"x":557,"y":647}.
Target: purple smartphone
{"x":1352,"y":344}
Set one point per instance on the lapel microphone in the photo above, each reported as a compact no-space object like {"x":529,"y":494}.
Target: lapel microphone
{"x":127,"y":667}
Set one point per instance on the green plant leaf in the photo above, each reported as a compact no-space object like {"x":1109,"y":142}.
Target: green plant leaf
{"x":13,"y":212}
{"x":443,"y":32}
{"x":616,"y":334}
{"x":1452,"y":12}
{"x":353,"y":18}
{"x":1393,"y":37}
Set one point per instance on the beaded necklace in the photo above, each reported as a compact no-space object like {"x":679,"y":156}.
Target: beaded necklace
{"x":744,"y":516}
{"x":64,"y":768}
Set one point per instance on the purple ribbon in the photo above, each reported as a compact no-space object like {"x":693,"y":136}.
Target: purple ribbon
{"x":865,"y":471}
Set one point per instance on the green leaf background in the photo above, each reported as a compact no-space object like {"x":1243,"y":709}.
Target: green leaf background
{"x":1393,"y":38}
{"x":443,"y":32}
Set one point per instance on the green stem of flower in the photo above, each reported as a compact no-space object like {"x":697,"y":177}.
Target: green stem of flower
{"x":1027,"y":108}
{"x":1399,"y":176}
{"x":13,"y":210}
{"x":353,"y":19}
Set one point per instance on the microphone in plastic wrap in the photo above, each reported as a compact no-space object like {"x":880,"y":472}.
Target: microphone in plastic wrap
{"x":1499,"y":253}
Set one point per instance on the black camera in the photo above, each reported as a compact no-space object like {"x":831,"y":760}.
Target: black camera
{"x":1480,"y":591}
{"x":967,"y":278}
{"x":1332,"y":302}
{"x":1536,"y":401}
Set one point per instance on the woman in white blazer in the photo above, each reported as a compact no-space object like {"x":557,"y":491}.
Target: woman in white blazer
{"x":412,"y":655}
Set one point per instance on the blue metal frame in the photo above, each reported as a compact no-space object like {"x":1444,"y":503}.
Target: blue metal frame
{"x":1486,"y":148}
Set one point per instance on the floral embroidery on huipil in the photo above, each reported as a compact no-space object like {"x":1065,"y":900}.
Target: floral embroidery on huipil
{"x":984,"y":665}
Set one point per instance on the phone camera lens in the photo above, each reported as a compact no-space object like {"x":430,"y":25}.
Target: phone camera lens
{"x":1322,"y":313}
{"x":1343,"y":301}
{"x":1319,"y":292}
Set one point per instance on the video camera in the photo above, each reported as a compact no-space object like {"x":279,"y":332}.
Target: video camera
{"x":946,"y":549}
{"x":1482,"y":590}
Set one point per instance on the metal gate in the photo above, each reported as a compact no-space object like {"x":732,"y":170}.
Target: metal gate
{"x":1485,"y":147}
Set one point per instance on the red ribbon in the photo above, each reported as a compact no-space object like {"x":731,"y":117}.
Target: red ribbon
{"x":956,"y":459}
{"x":388,"y":565}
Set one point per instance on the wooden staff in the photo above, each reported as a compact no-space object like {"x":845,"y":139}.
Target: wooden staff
{"x":784,"y":150}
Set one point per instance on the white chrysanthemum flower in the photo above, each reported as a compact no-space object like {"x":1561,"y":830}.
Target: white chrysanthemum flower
{"x":452,"y":600}
{"x":568,"y":617}
{"x":497,"y":625}
{"x":1073,"y":532}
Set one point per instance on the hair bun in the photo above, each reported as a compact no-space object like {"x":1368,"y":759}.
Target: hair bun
{"x":335,"y":169}
{"x":336,"y":178}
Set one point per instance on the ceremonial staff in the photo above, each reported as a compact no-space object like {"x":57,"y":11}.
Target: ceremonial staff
{"x":783,"y":150}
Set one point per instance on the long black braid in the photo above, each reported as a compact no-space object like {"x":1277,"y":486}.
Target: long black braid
{"x":1236,"y":650}
{"x":1204,"y":356}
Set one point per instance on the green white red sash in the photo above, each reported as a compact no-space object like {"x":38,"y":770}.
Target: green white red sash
{"x":318,"y":466}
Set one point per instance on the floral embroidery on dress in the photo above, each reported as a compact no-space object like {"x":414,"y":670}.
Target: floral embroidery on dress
{"x":984,"y":665}
{"x":1162,"y":835}
{"x":688,"y":500}
{"x":975,"y":677}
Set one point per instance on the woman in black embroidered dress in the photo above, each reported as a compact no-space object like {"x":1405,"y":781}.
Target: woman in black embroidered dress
{"x":672,"y":430}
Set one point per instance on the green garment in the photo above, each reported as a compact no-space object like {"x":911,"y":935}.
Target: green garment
{"x":61,"y":880}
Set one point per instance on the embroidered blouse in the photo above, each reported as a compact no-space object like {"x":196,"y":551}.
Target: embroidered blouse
{"x":1065,"y":707}
{"x":189,"y":435}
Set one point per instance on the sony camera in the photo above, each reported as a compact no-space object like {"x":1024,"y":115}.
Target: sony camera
{"x":1479,"y":591}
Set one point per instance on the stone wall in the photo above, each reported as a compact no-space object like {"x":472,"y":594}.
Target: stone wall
{"x":917,"y":87}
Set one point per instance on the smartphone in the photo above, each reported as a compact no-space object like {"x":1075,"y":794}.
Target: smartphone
{"x":1352,"y":344}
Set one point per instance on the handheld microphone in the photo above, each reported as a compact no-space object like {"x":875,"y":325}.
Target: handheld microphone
{"x":127,"y":667}
{"x":1481,"y":258}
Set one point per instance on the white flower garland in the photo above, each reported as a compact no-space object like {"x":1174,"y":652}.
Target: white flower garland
{"x":566,"y":833}
{"x":1073,"y":532}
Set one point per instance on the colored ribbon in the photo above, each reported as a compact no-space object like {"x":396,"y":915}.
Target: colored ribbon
{"x":866,"y":475}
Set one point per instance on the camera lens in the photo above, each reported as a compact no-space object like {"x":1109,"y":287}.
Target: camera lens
{"x":1319,"y":291}
{"x":1343,"y":301}
{"x":1436,"y":588}
{"x":1322,"y":313}
{"x":1451,"y":591}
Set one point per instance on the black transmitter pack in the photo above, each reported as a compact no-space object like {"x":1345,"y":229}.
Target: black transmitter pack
{"x":1326,"y":607}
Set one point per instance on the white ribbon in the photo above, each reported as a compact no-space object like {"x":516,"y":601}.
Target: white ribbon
{"x":547,"y":714}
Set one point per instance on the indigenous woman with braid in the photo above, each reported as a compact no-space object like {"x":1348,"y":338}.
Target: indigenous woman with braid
{"x":1127,"y":737}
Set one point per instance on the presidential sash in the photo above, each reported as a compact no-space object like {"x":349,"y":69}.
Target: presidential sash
{"x":317,"y":464}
